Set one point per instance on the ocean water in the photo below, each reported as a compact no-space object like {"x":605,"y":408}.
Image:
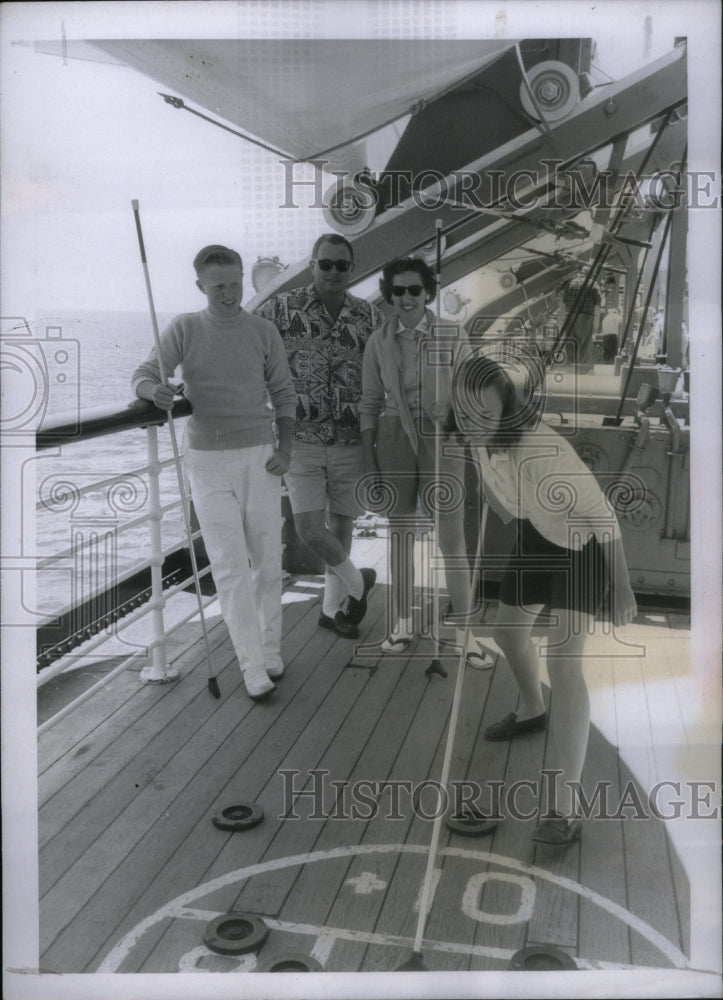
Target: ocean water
{"x":89,"y":358}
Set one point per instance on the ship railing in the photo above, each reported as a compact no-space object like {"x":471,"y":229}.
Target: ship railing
{"x":101,"y":612}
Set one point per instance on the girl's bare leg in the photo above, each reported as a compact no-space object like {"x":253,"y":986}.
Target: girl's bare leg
{"x":512,"y":632}
{"x":570,"y":716}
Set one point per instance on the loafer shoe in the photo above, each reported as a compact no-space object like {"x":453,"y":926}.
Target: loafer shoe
{"x":509,"y":727}
{"x":340,"y":625}
{"x":357,"y":606}
{"x":558,"y":831}
{"x":258,"y":683}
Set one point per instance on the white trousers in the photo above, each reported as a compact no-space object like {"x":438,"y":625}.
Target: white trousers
{"x":238,"y":504}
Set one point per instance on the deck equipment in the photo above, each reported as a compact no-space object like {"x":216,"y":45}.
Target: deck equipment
{"x":470,"y":821}
{"x":542,"y":958}
{"x":240,"y":817}
{"x":235,"y":933}
{"x":292,"y":961}
{"x":212,"y":682}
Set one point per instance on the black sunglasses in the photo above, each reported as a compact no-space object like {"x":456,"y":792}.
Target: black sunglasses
{"x":414,"y":290}
{"x":325,"y":264}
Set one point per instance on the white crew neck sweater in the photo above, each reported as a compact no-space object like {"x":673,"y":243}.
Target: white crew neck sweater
{"x":228,"y":365}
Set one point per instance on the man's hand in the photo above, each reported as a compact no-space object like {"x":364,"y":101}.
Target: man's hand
{"x":163,"y":397}
{"x":278,"y":464}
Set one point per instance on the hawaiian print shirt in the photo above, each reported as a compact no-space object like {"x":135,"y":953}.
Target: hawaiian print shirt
{"x":325,"y":357}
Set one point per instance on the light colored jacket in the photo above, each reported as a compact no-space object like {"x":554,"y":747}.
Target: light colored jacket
{"x":382,"y":378}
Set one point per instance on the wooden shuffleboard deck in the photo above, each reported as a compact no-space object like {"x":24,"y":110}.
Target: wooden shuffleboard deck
{"x":132,"y":868}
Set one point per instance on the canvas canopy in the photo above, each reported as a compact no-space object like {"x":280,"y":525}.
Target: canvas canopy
{"x":303,"y":96}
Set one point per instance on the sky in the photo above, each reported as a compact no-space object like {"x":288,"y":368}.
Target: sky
{"x":80,"y":140}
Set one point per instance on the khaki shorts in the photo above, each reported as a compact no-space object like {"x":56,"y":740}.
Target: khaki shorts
{"x":325,"y":477}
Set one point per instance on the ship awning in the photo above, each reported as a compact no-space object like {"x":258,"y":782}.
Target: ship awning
{"x":303,"y":96}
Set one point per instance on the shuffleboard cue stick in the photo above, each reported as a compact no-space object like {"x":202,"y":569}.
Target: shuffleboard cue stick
{"x":212,"y":682}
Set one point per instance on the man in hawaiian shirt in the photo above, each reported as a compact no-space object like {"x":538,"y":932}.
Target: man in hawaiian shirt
{"x":325,"y":330}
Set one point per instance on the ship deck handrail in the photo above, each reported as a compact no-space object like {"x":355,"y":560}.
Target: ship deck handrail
{"x":66,"y":429}
{"x":126,"y":526}
{"x":98,"y":640}
{"x":72,"y":429}
{"x":47,"y":503}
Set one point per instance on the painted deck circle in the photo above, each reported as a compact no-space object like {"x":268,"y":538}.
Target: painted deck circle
{"x":513,"y":871}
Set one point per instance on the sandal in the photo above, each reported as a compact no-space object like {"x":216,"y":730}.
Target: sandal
{"x":558,"y":831}
{"x":395,"y":644}
{"x":478,"y":656}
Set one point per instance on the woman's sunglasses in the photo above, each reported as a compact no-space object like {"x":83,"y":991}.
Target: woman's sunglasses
{"x":326,"y":264}
{"x":414,"y":290}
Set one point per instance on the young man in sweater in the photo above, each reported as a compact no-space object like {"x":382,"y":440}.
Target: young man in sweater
{"x":230,"y":360}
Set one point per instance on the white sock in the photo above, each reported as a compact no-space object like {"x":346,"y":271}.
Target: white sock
{"x":334,"y":594}
{"x":403,"y":627}
{"x":350,"y":576}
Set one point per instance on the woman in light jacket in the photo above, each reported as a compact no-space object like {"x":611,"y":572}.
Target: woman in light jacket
{"x":406,"y":388}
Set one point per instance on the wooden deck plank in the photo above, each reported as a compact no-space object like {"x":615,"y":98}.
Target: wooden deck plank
{"x":681,"y":885}
{"x":456,"y":897}
{"x":355,"y":723}
{"x":357,"y":753}
{"x":556,"y":917}
{"x":320,"y":686}
{"x":461,"y":899}
{"x":343,"y":702}
{"x":602,"y":859}
{"x":65,"y":733}
{"x":648,"y":872}
{"x":136,"y":753}
{"x":634,"y":735}
{"x":312,"y":750}
{"x":146,"y":775}
{"x":400,"y":911}
{"x":79,"y":727}
{"x":508,"y":762}
{"x":58,"y":746}
{"x":412,"y":763}
{"x":202,"y":756}
{"x":651,"y":889}
{"x":307,"y":752}
{"x":367,"y":875}
{"x":665,"y":714}
{"x":450,"y":890}
{"x":370,"y":751}
{"x":489,"y":765}
{"x":144,"y":812}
